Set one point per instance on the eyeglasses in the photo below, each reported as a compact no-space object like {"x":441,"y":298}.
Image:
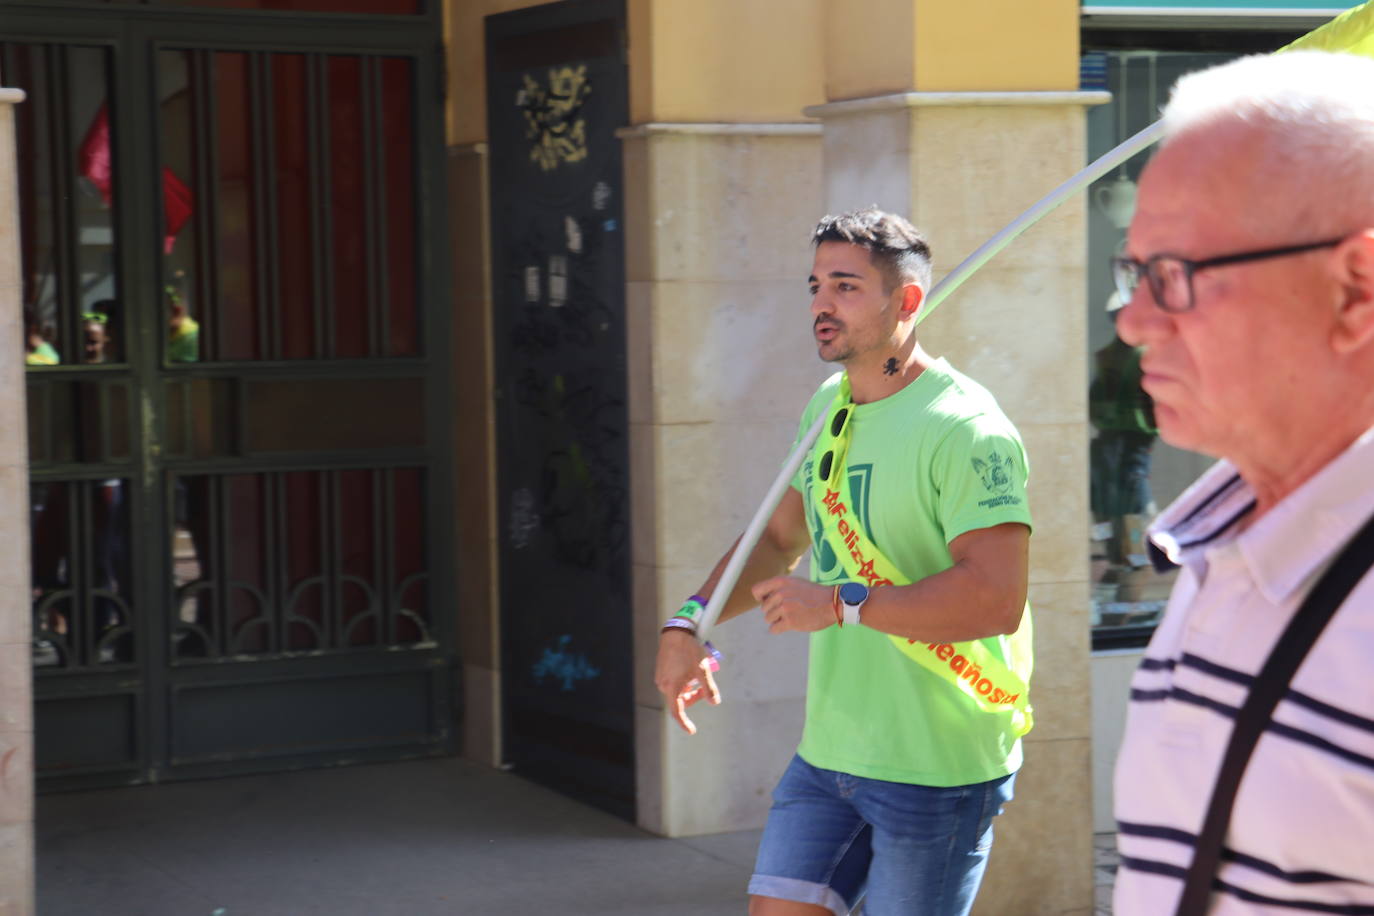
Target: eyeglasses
{"x":1171,"y":278}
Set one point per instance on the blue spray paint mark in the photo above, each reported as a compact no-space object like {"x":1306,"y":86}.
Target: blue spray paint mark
{"x":562,"y":665}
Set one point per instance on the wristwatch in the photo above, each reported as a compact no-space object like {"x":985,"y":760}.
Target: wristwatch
{"x":852,"y":596}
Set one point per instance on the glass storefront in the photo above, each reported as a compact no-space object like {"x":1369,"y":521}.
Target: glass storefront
{"x":1133,"y":472}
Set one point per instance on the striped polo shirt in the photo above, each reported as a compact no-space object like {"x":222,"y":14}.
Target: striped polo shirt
{"x":1301,"y":838}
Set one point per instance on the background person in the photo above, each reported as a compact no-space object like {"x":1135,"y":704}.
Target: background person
{"x":97,"y":336}
{"x":183,"y":331}
{"x":38,"y":351}
{"x":899,"y":772}
{"x":1124,"y":417}
{"x":1249,"y":275}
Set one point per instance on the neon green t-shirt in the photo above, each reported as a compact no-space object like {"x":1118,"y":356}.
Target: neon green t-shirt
{"x":927,"y":464}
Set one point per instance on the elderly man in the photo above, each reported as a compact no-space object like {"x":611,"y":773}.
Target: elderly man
{"x":1249,"y":273}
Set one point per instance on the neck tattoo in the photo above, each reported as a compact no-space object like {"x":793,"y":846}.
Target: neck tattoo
{"x":890,"y":367}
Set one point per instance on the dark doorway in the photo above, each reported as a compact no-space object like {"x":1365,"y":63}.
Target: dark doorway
{"x":556,"y":84}
{"x":238,"y":405}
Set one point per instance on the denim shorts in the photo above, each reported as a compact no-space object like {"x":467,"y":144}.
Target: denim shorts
{"x":833,"y":838}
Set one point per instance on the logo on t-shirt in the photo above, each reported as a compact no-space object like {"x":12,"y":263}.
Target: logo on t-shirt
{"x":996,"y":476}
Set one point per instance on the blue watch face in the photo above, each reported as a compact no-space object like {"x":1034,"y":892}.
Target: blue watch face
{"x":853,"y":593}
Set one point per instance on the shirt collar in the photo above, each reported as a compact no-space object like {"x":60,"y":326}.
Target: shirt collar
{"x":1205,"y":513}
{"x":1292,"y":541}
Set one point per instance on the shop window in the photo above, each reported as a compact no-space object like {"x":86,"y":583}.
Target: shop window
{"x":68,"y":233}
{"x":1133,"y":472}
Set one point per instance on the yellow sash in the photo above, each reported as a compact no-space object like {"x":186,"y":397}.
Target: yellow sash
{"x":970,"y":667}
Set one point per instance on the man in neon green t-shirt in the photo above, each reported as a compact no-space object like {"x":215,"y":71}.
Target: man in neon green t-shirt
{"x":913,"y":509}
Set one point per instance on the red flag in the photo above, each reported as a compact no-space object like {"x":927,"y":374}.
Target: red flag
{"x":94,"y":164}
{"x":93,"y":158}
{"x":177,"y":206}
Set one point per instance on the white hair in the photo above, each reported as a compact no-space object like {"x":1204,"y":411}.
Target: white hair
{"x":1312,"y":114}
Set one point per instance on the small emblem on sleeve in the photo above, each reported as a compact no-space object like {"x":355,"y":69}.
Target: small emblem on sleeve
{"x":995,"y":473}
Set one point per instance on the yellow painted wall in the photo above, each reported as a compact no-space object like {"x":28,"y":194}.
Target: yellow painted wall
{"x":869,"y":47}
{"x":725,"y":60}
{"x":467,"y":65}
{"x":690,"y":60}
{"x":877,"y":47}
{"x":766,"y":60}
{"x":982,"y":45}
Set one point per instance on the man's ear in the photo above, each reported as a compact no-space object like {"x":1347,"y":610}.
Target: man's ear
{"x":912,"y":297}
{"x":1353,"y":328}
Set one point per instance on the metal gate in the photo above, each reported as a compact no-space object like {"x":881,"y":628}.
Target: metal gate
{"x":556,"y":93}
{"x":236,"y":339}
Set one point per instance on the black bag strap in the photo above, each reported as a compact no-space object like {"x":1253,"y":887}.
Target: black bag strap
{"x":1269,"y":686}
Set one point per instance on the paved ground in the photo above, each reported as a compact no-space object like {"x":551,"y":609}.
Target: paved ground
{"x":404,"y":839}
{"x":1104,"y":871}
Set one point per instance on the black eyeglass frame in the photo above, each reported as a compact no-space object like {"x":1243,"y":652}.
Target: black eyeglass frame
{"x":1129,"y":269}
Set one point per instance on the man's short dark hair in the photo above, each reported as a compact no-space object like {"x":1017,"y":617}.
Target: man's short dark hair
{"x":898,"y":249}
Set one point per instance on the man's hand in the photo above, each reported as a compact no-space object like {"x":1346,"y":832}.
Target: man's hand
{"x":683,"y":675}
{"x":790,"y":603}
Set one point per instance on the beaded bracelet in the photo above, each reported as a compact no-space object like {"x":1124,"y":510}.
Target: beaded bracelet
{"x":713,"y":656}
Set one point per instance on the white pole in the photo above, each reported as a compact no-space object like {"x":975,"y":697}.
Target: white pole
{"x":985,"y":252}
{"x":730,"y":575}
{"x":952,"y":281}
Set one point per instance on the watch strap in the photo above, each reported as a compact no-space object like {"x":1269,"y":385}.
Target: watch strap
{"x":852,"y":614}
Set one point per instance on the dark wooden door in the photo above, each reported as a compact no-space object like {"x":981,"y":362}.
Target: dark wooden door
{"x":556,"y":95}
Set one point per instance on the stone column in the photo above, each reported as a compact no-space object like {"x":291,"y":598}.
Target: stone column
{"x":962,"y":165}
{"x":476,"y":545}
{"x":16,"y":672}
{"x":718,"y":220}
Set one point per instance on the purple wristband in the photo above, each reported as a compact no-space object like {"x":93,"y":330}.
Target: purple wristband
{"x":679,"y":623}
